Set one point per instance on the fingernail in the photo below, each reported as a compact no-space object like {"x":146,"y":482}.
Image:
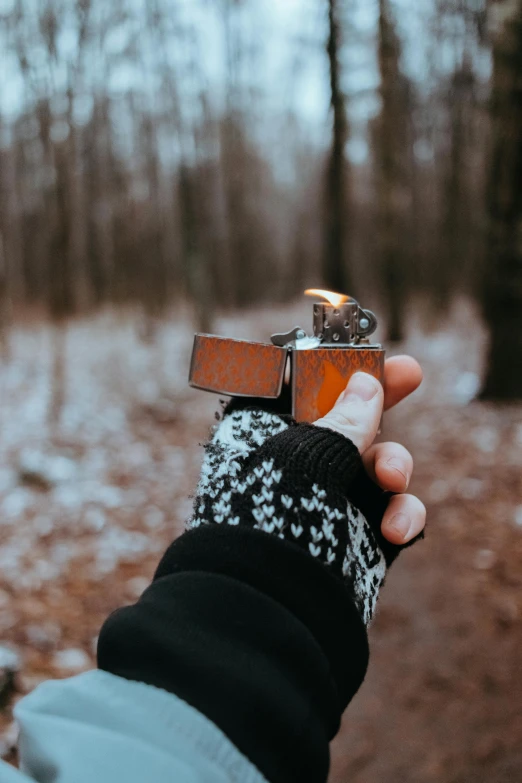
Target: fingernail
{"x":398,"y":464}
{"x":362,"y":386}
{"x":401,"y":524}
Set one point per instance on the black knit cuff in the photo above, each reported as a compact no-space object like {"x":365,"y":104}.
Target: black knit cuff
{"x":293,"y":579}
{"x":255,"y":635}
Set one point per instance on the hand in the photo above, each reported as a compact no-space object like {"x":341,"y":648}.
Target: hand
{"x":357,"y":415}
{"x":291,"y":481}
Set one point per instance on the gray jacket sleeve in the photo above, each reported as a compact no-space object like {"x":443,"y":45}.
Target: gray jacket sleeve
{"x":99,"y":727}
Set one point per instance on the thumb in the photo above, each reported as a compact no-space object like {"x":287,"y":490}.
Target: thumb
{"x":357,"y":413}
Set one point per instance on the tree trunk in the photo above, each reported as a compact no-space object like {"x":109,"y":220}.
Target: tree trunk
{"x":99,"y":178}
{"x":502,"y":298}
{"x":393,"y":173}
{"x":196,"y":269}
{"x":335,"y":272}
{"x":5,"y":304}
{"x":456,"y":229}
{"x":57,"y":379}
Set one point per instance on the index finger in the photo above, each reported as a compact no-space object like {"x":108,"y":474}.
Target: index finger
{"x":402,"y":375}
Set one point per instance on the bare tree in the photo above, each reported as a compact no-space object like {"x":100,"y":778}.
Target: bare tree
{"x":5,"y":304}
{"x":336,"y":273}
{"x":393,"y":146}
{"x":455,"y":234}
{"x":502,"y":293}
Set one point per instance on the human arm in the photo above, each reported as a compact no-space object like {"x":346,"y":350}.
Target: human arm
{"x":254,"y":645}
{"x":257,"y":616}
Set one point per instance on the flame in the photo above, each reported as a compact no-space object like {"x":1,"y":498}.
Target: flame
{"x":334,"y":299}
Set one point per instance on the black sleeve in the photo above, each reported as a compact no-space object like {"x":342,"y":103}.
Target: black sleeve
{"x":255,"y":634}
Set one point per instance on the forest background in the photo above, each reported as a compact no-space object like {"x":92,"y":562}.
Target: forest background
{"x":158,"y":152}
{"x":172,"y":165}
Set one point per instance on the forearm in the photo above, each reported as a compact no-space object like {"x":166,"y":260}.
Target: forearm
{"x":254,"y":634}
{"x":257,"y":616}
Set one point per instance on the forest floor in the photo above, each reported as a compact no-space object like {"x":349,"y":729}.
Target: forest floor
{"x":87,"y":506}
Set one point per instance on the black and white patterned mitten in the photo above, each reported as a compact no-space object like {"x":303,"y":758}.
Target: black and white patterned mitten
{"x":304,"y":484}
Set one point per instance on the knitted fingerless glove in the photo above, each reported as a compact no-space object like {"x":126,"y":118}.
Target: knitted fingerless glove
{"x":304,"y":484}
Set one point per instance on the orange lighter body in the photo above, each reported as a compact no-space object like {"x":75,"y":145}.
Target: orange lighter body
{"x":319,"y":366}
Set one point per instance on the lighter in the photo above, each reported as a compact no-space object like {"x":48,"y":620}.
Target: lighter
{"x":317,"y":368}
